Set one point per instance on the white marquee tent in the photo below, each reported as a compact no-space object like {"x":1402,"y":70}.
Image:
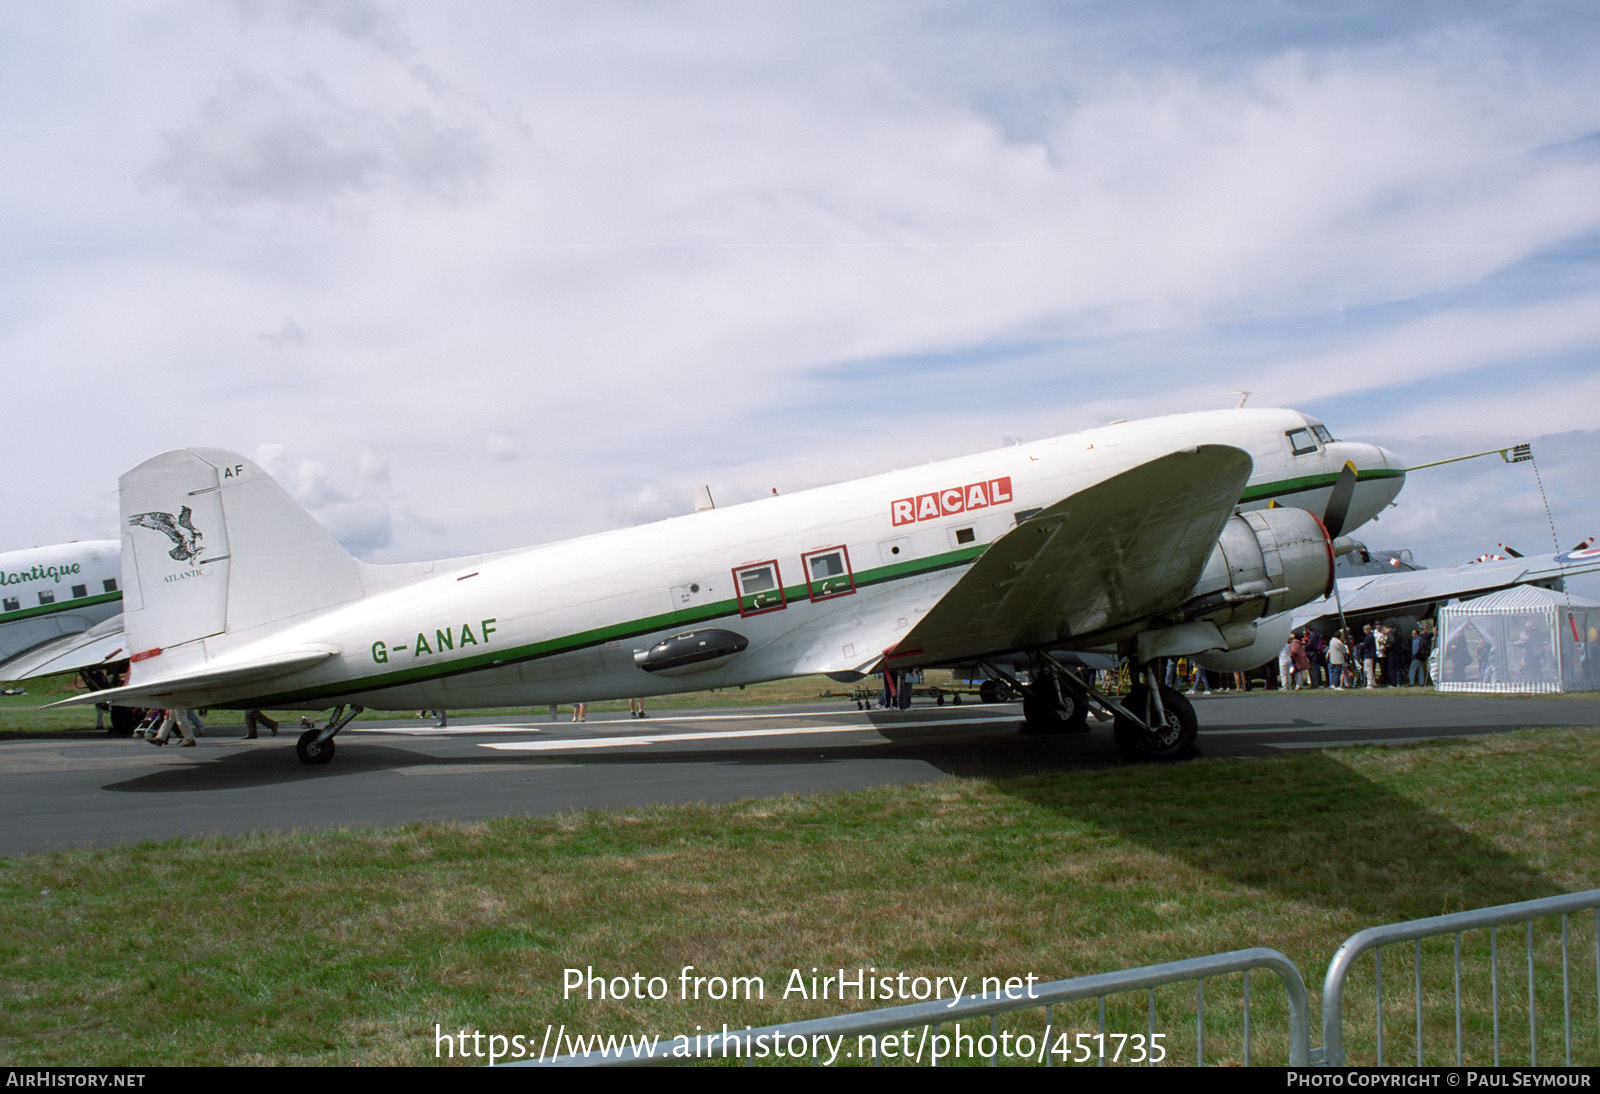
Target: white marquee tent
{"x":1524,"y":639}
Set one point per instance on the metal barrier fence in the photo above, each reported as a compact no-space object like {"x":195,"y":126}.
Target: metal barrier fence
{"x":1454,"y":926}
{"x":877,"y":1029}
{"x":869,"y":1028}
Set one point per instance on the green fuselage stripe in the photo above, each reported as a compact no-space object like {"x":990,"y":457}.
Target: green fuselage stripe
{"x":1285,"y":487}
{"x":634,"y":628}
{"x":76,"y":604}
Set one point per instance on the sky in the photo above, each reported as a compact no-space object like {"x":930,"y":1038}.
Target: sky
{"x":469,"y":276}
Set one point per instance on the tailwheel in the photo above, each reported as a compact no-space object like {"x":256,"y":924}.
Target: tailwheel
{"x":1164,"y":742}
{"x":995,"y":691}
{"x":1050,"y":708}
{"x":311,"y":751}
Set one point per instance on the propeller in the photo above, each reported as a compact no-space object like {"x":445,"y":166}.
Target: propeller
{"x":1344,"y":491}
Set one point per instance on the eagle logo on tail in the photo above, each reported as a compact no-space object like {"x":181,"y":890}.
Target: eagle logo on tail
{"x":186,"y":538}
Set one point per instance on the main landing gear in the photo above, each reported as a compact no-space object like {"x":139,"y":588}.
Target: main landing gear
{"x":1153,"y":723}
{"x":1156,"y":723}
{"x":1057,"y":701}
{"x":1054,"y":701}
{"x":316,"y":745}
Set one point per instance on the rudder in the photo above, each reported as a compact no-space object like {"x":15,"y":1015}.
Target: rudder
{"x":212,"y":546}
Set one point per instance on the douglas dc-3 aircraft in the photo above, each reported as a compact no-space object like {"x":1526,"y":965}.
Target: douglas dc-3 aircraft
{"x":49,"y":592}
{"x":1153,"y":538}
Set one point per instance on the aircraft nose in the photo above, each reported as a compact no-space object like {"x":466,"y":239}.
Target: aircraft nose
{"x":1379,"y":475}
{"x":1368,"y":458}
{"x":1382,"y":473}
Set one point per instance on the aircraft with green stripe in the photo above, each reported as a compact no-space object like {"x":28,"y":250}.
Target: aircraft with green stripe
{"x":1163,"y":537}
{"x":47,"y":593}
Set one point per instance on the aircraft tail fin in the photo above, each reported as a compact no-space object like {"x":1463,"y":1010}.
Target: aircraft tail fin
{"x":211,"y":547}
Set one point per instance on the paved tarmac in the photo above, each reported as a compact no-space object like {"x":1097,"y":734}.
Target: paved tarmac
{"x":86,"y":789}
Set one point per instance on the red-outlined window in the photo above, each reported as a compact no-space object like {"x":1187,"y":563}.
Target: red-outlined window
{"x":760,"y":588}
{"x":828,"y":573}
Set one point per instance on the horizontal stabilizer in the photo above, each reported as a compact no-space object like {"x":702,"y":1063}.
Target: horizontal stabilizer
{"x":195,"y":688}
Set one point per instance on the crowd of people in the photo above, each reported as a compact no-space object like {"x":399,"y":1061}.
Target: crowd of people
{"x":1381,"y":657}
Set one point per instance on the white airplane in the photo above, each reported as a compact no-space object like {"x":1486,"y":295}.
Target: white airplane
{"x":1153,"y":538}
{"x":50,"y":592}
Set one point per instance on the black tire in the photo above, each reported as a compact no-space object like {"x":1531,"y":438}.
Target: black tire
{"x":1176,"y":741}
{"x":310,"y":752}
{"x":996,"y":691}
{"x":1050,"y":708}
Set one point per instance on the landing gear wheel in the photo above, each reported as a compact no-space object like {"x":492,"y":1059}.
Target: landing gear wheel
{"x":310,"y":752}
{"x":1050,"y":708}
{"x":124,"y":720}
{"x":1161,"y":743}
{"x":996,"y":691}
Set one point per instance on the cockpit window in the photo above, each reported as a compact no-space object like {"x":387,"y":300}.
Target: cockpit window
{"x":1322,"y":433}
{"x":1301,"y":441}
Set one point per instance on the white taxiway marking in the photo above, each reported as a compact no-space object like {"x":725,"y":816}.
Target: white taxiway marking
{"x":632,"y":740}
{"x":610,"y":724}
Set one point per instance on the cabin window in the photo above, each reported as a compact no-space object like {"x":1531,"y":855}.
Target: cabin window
{"x":79,"y":591}
{"x":1301,"y":441}
{"x":47,"y":597}
{"x":13,"y":604}
{"x":760,"y":588}
{"x":828,"y":573}
{"x":110,"y":584}
{"x":965,"y":535}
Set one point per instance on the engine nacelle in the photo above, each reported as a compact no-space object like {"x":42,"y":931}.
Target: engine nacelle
{"x":1266,"y":562}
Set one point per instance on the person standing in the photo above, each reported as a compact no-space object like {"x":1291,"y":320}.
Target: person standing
{"x":1394,"y":666}
{"x":1421,"y":675}
{"x":1301,"y":661}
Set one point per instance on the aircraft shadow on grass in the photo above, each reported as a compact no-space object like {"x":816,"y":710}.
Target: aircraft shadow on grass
{"x":1333,"y":838}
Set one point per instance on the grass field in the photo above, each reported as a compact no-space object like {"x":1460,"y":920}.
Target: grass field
{"x":352,"y":947}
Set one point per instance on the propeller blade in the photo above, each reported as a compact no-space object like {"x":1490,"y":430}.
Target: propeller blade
{"x":1344,"y":491}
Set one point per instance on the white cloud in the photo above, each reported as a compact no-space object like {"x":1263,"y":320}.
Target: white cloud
{"x":642,"y":249}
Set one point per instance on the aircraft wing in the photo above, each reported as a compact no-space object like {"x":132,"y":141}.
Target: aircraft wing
{"x":99,"y":645}
{"x":1098,"y":563}
{"x":1414,"y":588}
